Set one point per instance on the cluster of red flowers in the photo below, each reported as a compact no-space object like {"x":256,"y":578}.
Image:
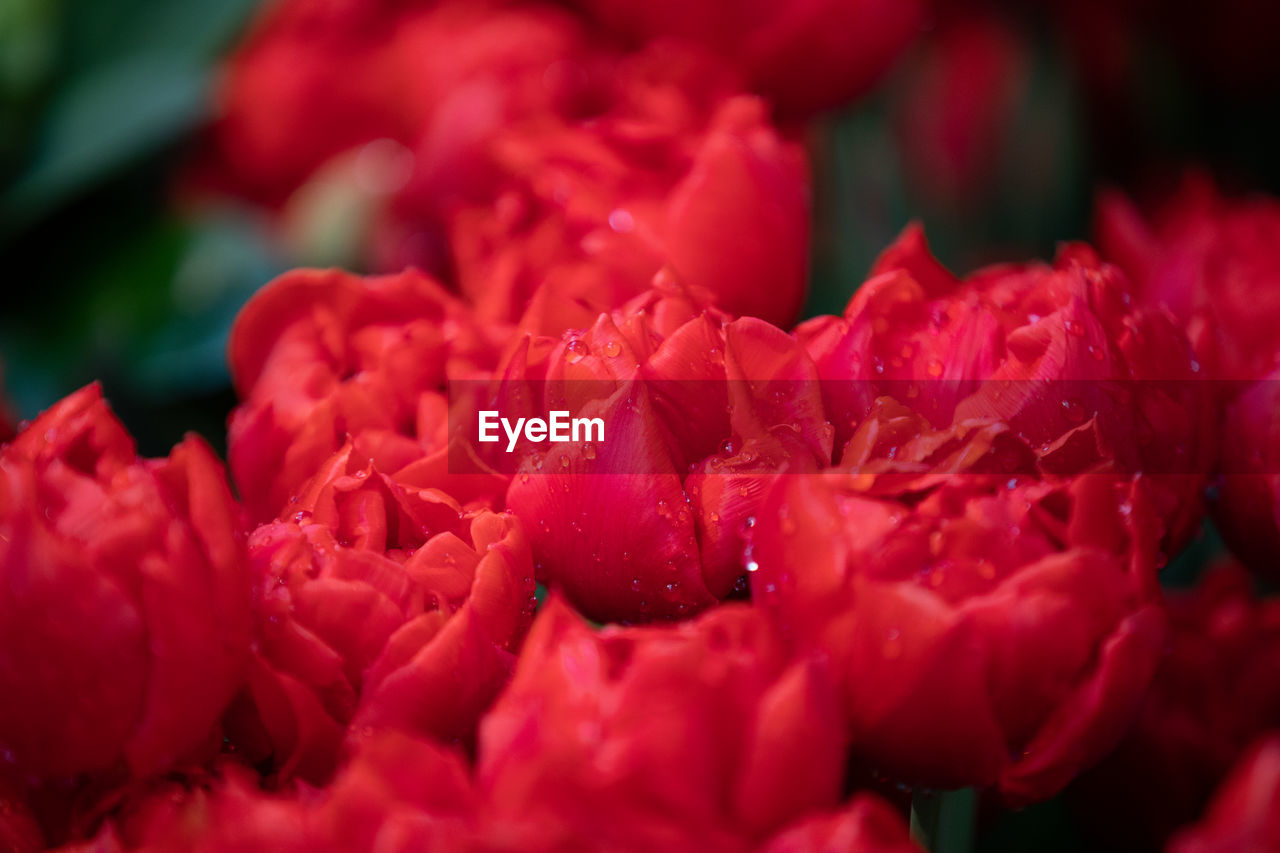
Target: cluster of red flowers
{"x":917,"y":544}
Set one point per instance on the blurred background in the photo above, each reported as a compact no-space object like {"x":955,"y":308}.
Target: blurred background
{"x":995,"y":128}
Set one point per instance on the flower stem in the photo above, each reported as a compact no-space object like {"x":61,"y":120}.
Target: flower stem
{"x":942,"y":821}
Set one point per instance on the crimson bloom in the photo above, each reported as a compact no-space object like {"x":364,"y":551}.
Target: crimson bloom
{"x":1211,"y":260}
{"x":1245,"y":813}
{"x":701,"y":413}
{"x":1215,"y":262}
{"x":377,"y":606}
{"x":396,"y":794}
{"x":693,"y":737}
{"x":982,"y":635}
{"x":124,"y":597}
{"x":1056,"y":353}
{"x":1214,"y":693}
{"x":960,"y":90}
{"x":313,"y":82}
{"x":805,"y":56}
{"x":320,"y":357}
{"x":1247,"y":509}
{"x":678,"y":171}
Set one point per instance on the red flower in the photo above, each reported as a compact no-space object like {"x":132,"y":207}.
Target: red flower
{"x":866,"y":824}
{"x":675,"y":172}
{"x":604,"y":167}
{"x":124,"y":597}
{"x":805,"y":56}
{"x":397,"y":794}
{"x":1214,"y":693}
{"x":378,"y":605}
{"x":1216,"y":263}
{"x":953,"y":116}
{"x":322,"y":357}
{"x":694,"y":737}
{"x":1212,"y":261}
{"x":1247,"y":508}
{"x":1055,"y":353}
{"x":984,"y":635}
{"x":1245,"y":814}
{"x":314,"y":82}
{"x":19,"y":831}
{"x":701,"y":413}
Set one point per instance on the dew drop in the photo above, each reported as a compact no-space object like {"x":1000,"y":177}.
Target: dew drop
{"x":892,"y":647}
{"x":622,"y":221}
{"x":1074,"y":411}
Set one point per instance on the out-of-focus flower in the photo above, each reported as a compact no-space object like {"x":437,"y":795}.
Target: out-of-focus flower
{"x":701,"y":413}
{"x":124,"y":597}
{"x":1214,"y":262}
{"x":397,"y":794}
{"x":1214,"y":693}
{"x":694,"y":737}
{"x":315,"y":81}
{"x":986,"y":635}
{"x":378,"y":606}
{"x":1245,"y":814}
{"x":496,"y":139}
{"x":866,"y":825}
{"x":805,"y":56}
{"x":955,"y":111}
{"x":1247,"y":508}
{"x":676,"y":172}
{"x":19,"y":830}
{"x":320,"y":358}
{"x":1055,"y":353}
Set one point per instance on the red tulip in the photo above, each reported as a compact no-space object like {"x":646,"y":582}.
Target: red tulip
{"x":124,"y":597}
{"x":315,"y":82}
{"x":1213,"y":694}
{"x":397,"y":794}
{"x":982,"y":635}
{"x":1215,"y":262}
{"x":1247,"y":508}
{"x":700,"y":736}
{"x":866,"y":824}
{"x":378,"y":606}
{"x":1245,"y":814}
{"x":953,"y":116}
{"x":805,"y":56}
{"x":676,"y":172}
{"x":701,"y":414}
{"x":320,"y":358}
{"x":1212,"y":261}
{"x":19,"y":830}
{"x":1055,"y":353}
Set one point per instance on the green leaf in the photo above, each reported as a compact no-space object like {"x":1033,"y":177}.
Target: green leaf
{"x":103,"y":33}
{"x":100,"y":124}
